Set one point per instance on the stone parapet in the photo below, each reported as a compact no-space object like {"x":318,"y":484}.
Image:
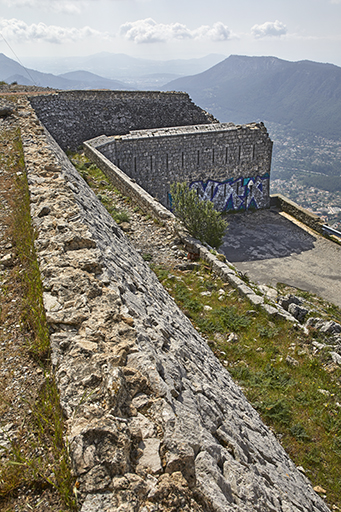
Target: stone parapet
{"x":225,"y":163}
{"x":286,"y":205}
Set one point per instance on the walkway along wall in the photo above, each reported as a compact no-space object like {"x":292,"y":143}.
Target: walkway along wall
{"x":154,"y":421}
{"x":227,"y":164}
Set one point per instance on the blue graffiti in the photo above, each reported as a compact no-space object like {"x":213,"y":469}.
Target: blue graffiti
{"x":235,"y":194}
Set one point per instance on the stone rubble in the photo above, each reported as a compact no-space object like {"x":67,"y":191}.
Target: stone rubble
{"x":155,"y":423}
{"x":329,"y":328}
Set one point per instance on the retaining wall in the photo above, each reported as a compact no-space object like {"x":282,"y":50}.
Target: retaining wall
{"x":75,"y":116}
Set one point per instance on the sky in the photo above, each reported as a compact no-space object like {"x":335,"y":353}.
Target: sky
{"x":170,"y":29}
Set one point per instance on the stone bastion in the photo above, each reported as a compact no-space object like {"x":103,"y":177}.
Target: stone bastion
{"x":154,"y":421}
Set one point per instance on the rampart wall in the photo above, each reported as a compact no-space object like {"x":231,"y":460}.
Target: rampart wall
{"x":227,"y":164}
{"x":154,"y":421}
{"x":75,"y":116}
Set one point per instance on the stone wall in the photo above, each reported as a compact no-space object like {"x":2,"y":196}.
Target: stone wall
{"x":298,"y":212}
{"x":154,"y":422}
{"x":227,"y":164}
{"x":75,"y":116}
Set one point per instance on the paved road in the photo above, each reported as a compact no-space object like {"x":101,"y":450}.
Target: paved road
{"x":272,"y":247}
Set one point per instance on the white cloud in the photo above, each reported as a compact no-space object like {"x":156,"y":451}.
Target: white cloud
{"x":335,"y":1}
{"x":148,"y":31}
{"x":19,"y":31}
{"x":62,"y":6}
{"x":270,"y":28}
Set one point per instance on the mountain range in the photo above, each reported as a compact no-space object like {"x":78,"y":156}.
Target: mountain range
{"x":12,"y":71}
{"x":124,"y":67}
{"x":304,"y":95}
{"x":101,"y":71}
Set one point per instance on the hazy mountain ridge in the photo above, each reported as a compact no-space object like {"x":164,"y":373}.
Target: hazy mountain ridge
{"x":12,"y":71}
{"x":121,"y":66}
{"x":304,"y":95}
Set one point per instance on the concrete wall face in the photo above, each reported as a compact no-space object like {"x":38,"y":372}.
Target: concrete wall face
{"x":227,"y":164}
{"x":75,"y":116}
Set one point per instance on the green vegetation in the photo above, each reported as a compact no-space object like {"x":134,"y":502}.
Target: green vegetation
{"x":101,"y":185}
{"x":199,"y":217}
{"x":38,"y":458}
{"x":300,"y":403}
{"x":147,"y":257}
{"x":23,"y":234}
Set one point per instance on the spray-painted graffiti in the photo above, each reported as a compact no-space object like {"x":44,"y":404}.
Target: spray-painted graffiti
{"x":235,"y":194}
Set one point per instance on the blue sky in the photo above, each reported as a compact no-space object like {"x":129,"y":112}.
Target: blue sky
{"x":168,"y":29}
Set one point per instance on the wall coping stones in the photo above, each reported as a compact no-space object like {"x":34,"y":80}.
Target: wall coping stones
{"x":298,"y":212}
{"x":185,"y":130}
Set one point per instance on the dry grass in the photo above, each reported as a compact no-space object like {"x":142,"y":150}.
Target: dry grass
{"x":34,"y":468}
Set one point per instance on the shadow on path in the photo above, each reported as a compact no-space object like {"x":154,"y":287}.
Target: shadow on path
{"x":271,"y":249}
{"x":262,"y":235}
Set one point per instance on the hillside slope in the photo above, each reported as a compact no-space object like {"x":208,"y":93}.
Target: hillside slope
{"x":305,"y":95}
{"x":12,"y":71}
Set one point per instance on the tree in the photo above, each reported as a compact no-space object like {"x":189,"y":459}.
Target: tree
{"x":198,"y":216}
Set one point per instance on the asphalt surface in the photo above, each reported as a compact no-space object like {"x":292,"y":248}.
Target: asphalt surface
{"x":271,"y":247}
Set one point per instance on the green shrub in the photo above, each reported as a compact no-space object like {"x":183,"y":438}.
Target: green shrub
{"x":199,"y":217}
{"x":147,"y":256}
{"x":231,"y":319}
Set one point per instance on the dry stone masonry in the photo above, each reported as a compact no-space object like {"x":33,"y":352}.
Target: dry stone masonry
{"x":154,"y":422}
{"x":225,"y":163}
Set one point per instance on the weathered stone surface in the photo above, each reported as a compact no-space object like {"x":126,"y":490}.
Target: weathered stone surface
{"x":133,"y":391}
{"x":298,"y":312}
{"x":6,"y":108}
{"x":287,"y":300}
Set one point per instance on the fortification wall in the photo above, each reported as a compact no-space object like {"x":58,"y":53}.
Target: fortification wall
{"x":227,"y":164}
{"x":75,"y":116}
{"x":154,"y":420}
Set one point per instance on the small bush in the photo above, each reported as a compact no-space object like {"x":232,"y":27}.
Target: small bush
{"x":277,"y":411}
{"x":299,"y":432}
{"x":147,"y":256}
{"x":199,"y":217}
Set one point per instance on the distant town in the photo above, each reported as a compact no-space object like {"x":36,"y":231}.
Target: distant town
{"x":307,"y":169}
{"x":321,"y":202}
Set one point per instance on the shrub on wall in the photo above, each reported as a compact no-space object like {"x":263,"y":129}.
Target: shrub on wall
{"x":199,"y":217}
